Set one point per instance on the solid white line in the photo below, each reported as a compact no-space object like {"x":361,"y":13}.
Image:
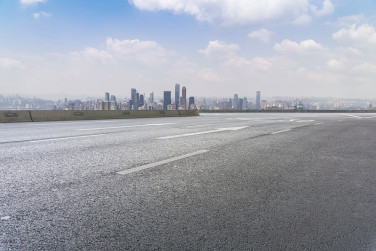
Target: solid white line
{"x":319,"y":123}
{"x":64,"y":138}
{"x":281,"y":131}
{"x":162,"y":162}
{"x":128,"y":126}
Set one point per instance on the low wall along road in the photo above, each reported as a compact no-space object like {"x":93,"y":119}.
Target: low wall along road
{"x":59,"y":115}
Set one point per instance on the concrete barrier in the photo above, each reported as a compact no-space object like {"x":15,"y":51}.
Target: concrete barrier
{"x":288,"y":111}
{"x":15,"y":116}
{"x":60,"y":115}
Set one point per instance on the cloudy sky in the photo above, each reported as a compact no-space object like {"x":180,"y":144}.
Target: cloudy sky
{"x":213,"y":47}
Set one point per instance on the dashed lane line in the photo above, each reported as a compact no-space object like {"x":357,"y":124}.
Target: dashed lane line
{"x":127,"y":126}
{"x":281,"y":131}
{"x":204,"y":132}
{"x":162,"y":162}
{"x":64,"y":138}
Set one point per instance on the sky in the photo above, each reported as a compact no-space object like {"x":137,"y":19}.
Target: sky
{"x":216,"y":48}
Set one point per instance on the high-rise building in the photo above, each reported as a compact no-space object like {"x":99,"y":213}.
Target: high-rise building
{"x":235,"y":102}
{"x":184,"y":98}
{"x":151,"y":99}
{"x":141,"y":103}
{"x":258,"y":100}
{"x":131,"y":101}
{"x":113,"y":98}
{"x":166,"y":99}
{"x":106,"y":96}
{"x":191,"y":104}
{"x":177,"y":95}
{"x":136,"y":101}
{"x":240,"y":104}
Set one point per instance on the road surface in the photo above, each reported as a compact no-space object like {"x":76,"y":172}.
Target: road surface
{"x":218,"y":181}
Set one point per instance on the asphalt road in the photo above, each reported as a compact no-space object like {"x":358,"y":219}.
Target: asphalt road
{"x":213,"y":182}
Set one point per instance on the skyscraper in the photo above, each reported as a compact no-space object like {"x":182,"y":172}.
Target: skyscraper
{"x":191,"y":103}
{"x":258,"y":100}
{"x":141,"y":103}
{"x":106,"y":96}
{"x":177,"y":95}
{"x":131,"y":101}
{"x":151,"y":99}
{"x":184,"y":98}
{"x":235,"y":102}
{"x":166,"y":99}
{"x":136,"y":101}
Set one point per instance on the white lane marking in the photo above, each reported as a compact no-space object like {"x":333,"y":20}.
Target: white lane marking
{"x":319,"y":123}
{"x":162,"y":162}
{"x":281,"y":131}
{"x":302,"y":121}
{"x":204,"y":132}
{"x":128,"y":126}
{"x":350,"y":115}
{"x":198,"y":125}
{"x":64,"y":138}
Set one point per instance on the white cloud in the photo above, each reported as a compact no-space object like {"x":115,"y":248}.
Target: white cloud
{"x":94,"y":53}
{"x":334,"y":64}
{"x":9,"y":63}
{"x":228,"y":12}
{"x":37,"y":15}
{"x":302,"y":20}
{"x":327,"y":8}
{"x":32,"y":2}
{"x":220,"y":50}
{"x":146,"y":52}
{"x":263,"y":35}
{"x":364,"y":33}
{"x":306,"y":46}
{"x":211,"y":75}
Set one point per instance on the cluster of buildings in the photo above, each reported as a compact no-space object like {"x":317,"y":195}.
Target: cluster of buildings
{"x":178,"y":100}
{"x":139,"y":102}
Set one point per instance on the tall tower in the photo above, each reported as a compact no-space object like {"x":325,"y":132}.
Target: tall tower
{"x":258,"y":100}
{"x":177,"y":95}
{"x":136,"y":101}
{"x":235,"y":102}
{"x":184,"y":98}
{"x":106,"y":96}
{"x":166,"y":99}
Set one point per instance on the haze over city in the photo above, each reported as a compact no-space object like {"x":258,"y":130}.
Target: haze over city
{"x":217,"y":48}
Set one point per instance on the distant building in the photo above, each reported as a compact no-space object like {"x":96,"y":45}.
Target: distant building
{"x":151,"y":98}
{"x":235,"y":102}
{"x":106,"y":97}
{"x":136,"y":101}
{"x":141,"y":103}
{"x":191,"y":104}
{"x":240,"y":104}
{"x":166,"y":99}
{"x":177,"y":95}
{"x":258,"y":100}
{"x":131,"y":101}
{"x":184,"y":98}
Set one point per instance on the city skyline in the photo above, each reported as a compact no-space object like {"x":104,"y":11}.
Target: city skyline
{"x":286,"y":47}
